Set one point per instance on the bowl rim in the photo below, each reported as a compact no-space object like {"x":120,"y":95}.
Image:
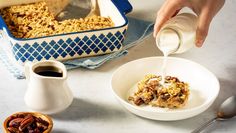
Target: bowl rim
{"x":36,"y":114}
{"x":205,"y":105}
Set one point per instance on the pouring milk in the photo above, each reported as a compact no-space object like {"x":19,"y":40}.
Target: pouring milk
{"x":176,"y":36}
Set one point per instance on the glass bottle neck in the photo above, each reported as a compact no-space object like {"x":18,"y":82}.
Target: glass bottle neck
{"x":168,"y":40}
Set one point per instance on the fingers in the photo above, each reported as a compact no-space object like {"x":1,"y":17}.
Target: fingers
{"x":204,"y":21}
{"x":208,"y":11}
{"x":176,"y":12}
{"x":169,"y":9}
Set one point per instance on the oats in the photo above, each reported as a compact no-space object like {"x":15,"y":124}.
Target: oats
{"x":150,"y":91}
{"x":35,"y":20}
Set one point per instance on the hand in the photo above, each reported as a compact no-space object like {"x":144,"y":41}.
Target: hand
{"x":205,"y":9}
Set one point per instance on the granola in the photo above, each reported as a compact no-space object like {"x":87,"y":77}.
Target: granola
{"x":35,"y":20}
{"x":173,"y":94}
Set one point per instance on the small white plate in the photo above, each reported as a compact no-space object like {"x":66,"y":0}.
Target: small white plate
{"x":204,"y":86}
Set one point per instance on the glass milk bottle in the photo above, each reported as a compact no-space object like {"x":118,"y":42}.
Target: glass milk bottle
{"x":177,"y":35}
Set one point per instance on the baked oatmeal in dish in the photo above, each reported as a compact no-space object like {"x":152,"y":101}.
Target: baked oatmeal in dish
{"x":173,"y":94}
{"x":35,"y":20}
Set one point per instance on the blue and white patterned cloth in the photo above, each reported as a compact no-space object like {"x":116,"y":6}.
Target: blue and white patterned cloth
{"x":137,"y":31}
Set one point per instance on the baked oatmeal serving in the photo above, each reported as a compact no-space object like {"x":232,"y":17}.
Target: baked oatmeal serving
{"x":150,"y":91}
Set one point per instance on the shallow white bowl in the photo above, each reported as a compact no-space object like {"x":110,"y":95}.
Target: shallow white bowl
{"x":204,"y":86}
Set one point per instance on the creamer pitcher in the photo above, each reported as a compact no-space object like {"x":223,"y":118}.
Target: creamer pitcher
{"x":47,"y":91}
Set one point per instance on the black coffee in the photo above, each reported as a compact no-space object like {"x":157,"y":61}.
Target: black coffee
{"x":49,"y":71}
{"x":50,"y":74}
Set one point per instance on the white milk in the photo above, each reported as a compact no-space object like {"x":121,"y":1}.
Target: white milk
{"x":176,"y":36}
{"x":168,"y":43}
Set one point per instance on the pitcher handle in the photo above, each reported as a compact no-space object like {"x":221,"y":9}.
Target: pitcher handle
{"x":27,"y":67}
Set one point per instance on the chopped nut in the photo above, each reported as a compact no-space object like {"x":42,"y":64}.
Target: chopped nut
{"x":28,"y":120}
{"x":15,"y":122}
{"x":13,"y":129}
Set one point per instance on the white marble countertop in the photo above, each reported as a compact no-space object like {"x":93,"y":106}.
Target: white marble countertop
{"x":95,"y":109}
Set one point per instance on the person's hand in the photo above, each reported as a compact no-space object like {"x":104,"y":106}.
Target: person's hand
{"x":205,"y":9}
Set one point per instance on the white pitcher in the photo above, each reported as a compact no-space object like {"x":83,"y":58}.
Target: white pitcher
{"x":47,"y":91}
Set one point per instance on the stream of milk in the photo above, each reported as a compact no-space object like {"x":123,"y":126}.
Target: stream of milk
{"x":168,"y":43}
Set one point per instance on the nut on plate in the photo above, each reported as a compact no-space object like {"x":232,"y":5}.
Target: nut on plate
{"x":30,"y":122}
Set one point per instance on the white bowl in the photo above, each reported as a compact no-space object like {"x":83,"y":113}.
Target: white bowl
{"x":204,"y":86}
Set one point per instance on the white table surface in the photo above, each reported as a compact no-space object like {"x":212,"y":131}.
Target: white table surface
{"x":95,"y":109}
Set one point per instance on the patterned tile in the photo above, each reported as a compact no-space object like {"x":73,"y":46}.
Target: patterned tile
{"x":69,"y":47}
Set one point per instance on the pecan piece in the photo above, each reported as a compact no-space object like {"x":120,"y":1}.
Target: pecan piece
{"x":165,"y":96}
{"x":15,"y":122}
{"x":26,"y":122}
{"x":42,"y":127}
{"x":28,"y":115}
{"x":138,"y":101}
{"x":20,"y":115}
{"x":40,"y":120}
{"x":13,"y":130}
